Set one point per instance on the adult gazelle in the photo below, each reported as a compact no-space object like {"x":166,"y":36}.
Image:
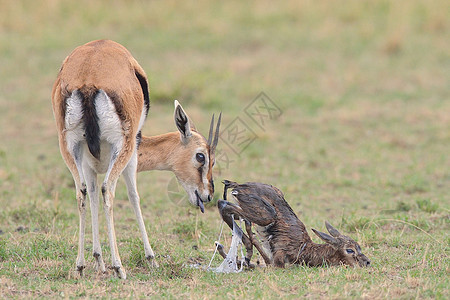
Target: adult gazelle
{"x":100,"y":101}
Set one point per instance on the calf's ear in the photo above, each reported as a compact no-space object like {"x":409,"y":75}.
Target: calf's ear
{"x":333,"y":231}
{"x":326,"y":238}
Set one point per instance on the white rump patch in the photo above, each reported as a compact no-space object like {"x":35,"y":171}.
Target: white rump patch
{"x":74,"y":111}
{"x":73,"y":122}
{"x":108,"y":120}
{"x":110,"y":129}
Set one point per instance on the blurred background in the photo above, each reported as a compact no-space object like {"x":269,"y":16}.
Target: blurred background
{"x":361,"y":90}
{"x":358,"y":83}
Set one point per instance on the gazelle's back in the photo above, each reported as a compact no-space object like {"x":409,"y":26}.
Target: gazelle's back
{"x":103,"y":64}
{"x":101,"y":96}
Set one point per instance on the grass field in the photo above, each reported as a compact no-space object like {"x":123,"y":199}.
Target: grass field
{"x":362,"y":140}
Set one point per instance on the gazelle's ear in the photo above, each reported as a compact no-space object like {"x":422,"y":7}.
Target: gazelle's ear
{"x":182,"y":122}
{"x":326,"y":238}
{"x":333,"y":231}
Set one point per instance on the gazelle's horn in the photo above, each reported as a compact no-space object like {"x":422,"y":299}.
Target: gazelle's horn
{"x":211,"y":127}
{"x":216,"y":136}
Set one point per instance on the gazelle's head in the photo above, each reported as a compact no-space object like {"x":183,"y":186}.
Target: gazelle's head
{"x":347,"y":250}
{"x":195,"y":158}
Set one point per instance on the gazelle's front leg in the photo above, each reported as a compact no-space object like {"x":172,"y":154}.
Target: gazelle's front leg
{"x":92,"y":190}
{"x":129,"y":174}
{"x":228,"y":209}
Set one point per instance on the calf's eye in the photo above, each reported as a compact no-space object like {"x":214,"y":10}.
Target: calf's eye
{"x":200,"y":158}
{"x":349,"y":251}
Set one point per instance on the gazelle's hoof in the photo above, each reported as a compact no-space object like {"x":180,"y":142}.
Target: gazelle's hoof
{"x":80,"y":270}
{"x":248,"y":264}
{"x":120,"y":272}
{"x":153,"y":263}
{"x":99,"y":264}
{"x":218,"y":245}
{"x":220,"y":249}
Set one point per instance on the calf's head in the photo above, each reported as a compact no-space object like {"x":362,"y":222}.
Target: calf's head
{"x":348,"y":251}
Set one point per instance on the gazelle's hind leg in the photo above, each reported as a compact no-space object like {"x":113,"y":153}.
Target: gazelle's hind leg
{"x":108,"y":191}
{"x":73,"y":159}
{"x":255,"y":242}
{"x":92,"y":190}
{"x":129,"y":174}
{"x":81,"y":197}
{"x":121,"y":137}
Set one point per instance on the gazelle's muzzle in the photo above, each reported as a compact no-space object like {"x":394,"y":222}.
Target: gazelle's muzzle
{"x":200,"y":201}
{"x":363,"y":261}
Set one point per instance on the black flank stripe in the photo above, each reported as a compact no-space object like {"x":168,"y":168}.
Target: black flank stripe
{"x":144,"y":87}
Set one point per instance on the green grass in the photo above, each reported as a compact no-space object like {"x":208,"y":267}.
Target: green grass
{"x":363,"y":141}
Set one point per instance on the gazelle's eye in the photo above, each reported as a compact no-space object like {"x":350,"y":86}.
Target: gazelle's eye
{"x":200,"y":158}
{"x":349,"y":251}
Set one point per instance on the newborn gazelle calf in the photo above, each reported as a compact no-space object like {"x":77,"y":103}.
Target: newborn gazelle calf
{"x":283,"y":236}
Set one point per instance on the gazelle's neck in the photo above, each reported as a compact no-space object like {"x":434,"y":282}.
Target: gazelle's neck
{"x":154,"y":152}
{"x":318,"y":254}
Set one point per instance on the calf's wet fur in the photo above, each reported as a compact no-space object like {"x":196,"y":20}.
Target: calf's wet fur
{"x":282,"y":237}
